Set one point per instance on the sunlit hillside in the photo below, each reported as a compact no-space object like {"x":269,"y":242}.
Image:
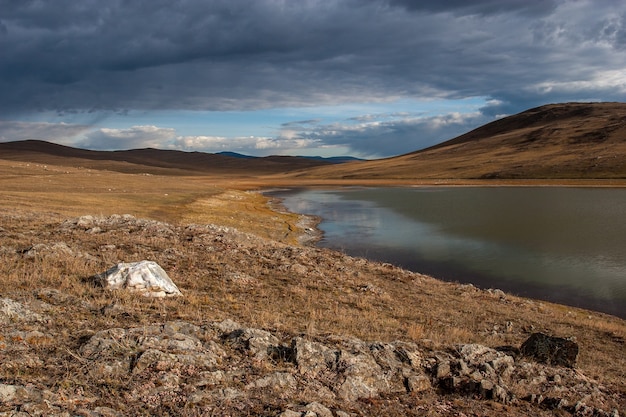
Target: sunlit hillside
{"x":557,"y":141}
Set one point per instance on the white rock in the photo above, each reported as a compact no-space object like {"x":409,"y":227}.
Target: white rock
{"x":145,"y":277}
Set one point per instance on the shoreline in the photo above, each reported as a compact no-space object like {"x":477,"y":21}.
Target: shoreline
{"x":310,"y":235}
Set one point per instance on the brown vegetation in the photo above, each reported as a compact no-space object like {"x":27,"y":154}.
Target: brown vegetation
{"x":292,"y":291}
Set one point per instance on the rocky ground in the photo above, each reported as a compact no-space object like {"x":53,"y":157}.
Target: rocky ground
{"x":268,"y":329}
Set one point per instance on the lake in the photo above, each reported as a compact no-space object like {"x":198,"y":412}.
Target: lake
{"x":561,"y":244}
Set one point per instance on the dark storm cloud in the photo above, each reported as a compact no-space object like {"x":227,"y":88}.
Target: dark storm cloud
{"x":301,"y":123}
{"x":483,"y":7}
{"x":69,"y":56}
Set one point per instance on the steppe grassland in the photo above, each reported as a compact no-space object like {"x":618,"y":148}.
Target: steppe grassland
{"x":74,"y":191}
{"x":334,"y":294}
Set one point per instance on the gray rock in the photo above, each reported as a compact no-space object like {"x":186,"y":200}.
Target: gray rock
{"x":120,"y":351}
{"x":278,"y":381}
{"x":318,"y":409}
{"x":258,"y":342}
{"x":11,"y":310}
{"x":290,"y":413}
{"x":551,"y":350}
{"x":145,"y":277}
{"x":418,"y":383}
{"x":312,"y":357}
{"x":19,"y":394}
{"x":364,"y":377}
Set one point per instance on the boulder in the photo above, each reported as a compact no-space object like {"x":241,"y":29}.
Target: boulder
{"x":145,"y":277}
{"x":551,"y":350}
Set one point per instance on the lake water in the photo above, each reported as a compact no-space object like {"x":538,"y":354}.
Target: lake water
{"x":566,"y":245}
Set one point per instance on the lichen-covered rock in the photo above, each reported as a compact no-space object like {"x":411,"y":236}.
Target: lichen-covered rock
{"x":11,"y":310}
{"x":364,"y":378}
{"x":551,"y":350}
{"x":15,"y":394}
{"x":279,"y":382}
{"x":257,"y":342}
{"x":119,"y":351}
{"x":145,"y":277}
{"x":312,"y":357}
{"x":318,"y":410}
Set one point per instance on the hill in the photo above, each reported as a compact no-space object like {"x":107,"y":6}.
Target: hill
{"x":154,"y":161}
{"x":556,"y":141}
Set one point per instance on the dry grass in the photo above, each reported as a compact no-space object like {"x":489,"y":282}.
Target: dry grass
{"x":260,"y":283}
{"x":74,"y":191}
{"x":286,"y":289}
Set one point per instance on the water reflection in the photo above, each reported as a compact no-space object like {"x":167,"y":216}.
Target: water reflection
{"x":560,"y":244}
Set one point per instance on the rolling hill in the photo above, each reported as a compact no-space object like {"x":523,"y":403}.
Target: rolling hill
{"x":153,"y":161}
{"x":556,"y":141}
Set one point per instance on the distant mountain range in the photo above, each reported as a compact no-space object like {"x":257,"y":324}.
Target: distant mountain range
{"x":556,"y":141}
{"x":332,"y":159}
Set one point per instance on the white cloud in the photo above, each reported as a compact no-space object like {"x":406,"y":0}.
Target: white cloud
{"x":613,"y":81}
{"x":132,"y":138}
{"x":250,"y":145}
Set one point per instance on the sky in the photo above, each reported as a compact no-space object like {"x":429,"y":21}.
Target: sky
{"x":367,"y":78}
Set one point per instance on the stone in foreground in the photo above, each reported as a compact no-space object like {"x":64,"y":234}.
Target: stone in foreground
{"x":145,"y":277}
{"x":551,"y":350}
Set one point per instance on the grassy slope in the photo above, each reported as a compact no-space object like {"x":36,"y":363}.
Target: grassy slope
{"x":562,"y":141}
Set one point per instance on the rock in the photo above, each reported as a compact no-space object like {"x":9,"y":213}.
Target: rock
{"x":258,"y":342}
{"x":278,"y":382}
{"x":290,"y":413}
{"x":312,"y":357}
{"x":443,"y":369}
{"x":15,"y":394}
{"x":418,"y":383}
{"x":551,"y":350}
{"x":318,"y":409}
{"x":145,"y":277}
{"x":364,"y":377}
{"x":163,"y":348}
{"x":11,"y":310}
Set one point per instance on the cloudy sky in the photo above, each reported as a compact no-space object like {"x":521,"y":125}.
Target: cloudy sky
{"x":369,"y":78}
